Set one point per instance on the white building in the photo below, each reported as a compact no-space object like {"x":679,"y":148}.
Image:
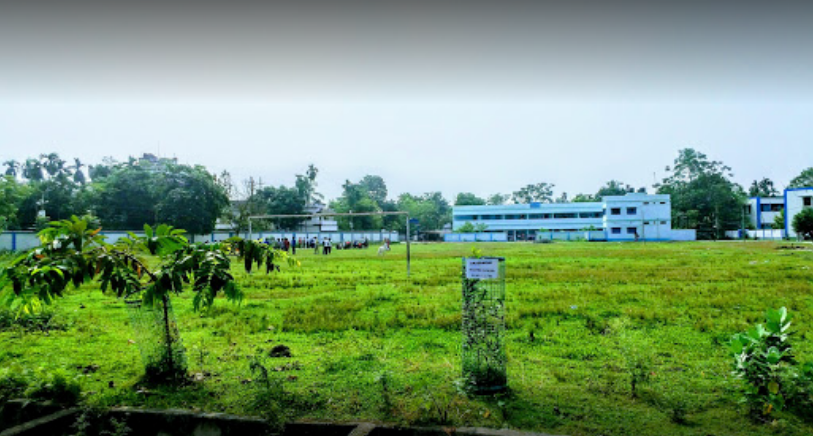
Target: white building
{"x":319,"y":223}
{"x":616,"y":218}
{"x":763,"y":211}
{"x":796,"y":199}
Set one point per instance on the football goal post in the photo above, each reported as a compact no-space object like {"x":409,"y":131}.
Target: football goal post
{"x":341,"y":214}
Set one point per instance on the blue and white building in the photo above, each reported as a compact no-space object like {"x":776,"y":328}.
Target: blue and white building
{"x":762,"y":211}
{"x":627,"y":217}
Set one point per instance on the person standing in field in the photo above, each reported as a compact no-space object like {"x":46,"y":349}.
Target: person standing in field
{"x":293,"y":246}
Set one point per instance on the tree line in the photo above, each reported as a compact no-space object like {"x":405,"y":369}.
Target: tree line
{"x":127,"y":195}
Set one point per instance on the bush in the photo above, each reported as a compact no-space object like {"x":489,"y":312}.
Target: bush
{"x":41,"y":385}
{"x":55,"y":385}
{"x":13,"y":382}
{"x":31,"y":322}
{"x":764,"y":361}
{"x":803,"y":223}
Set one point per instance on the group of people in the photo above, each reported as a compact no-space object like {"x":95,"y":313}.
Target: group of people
{"x":290,"y":245}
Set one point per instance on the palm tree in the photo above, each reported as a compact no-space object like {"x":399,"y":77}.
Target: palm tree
{"x":12,"y":168}
{"x":78,"y":175}
{"x":53,"y":164}
{"x":32,"y":170}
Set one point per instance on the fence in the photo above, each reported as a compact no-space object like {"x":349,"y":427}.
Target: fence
{"x":21,"y":240}
{"x":757,"y":234}
{"x":475,"y":237}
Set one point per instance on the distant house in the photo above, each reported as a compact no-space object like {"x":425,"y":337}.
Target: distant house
{"x":319,"y":223}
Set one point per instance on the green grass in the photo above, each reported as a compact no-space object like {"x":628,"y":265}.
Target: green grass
{"x":581,"y":316}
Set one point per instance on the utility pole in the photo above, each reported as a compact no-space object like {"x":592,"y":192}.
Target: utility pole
{"x":407,"y":241}
{"x":742,"y":223}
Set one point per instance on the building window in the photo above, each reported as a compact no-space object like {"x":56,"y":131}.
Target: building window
{"x":807,"y":201}
{"x":615,"y":211}
{"x":646,"y":203}
{"x":632,"y":230}
{"x":564,"y":215}
{"x":663,"y":202}
{"x":590,"y":214}
{"x":616,"y":230}
{"x":632,"y":210}
{"x":663,"y":223}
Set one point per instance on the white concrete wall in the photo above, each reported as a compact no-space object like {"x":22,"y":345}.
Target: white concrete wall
{"x":27,"y":240}
{"x":683,"y":235}
{"x":773,"y":234}
{"x":479,"y":237}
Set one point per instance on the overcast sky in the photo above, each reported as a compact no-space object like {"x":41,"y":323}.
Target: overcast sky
{"x":442,"y":97}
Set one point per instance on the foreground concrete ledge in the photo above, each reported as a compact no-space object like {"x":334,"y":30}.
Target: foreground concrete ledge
{"x":180,"y":422}
{"x":49,"y":424}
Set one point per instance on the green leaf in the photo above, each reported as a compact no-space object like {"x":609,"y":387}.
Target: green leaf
{"x":735,"y":346}
{"x":773,"y":387}
{"x":773,"y":355}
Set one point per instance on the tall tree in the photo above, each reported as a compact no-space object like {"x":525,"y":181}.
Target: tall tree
{"x":534,"y":193}
{"x":702,"y":194}
{"x":12,"y":194}
{"x":585,"y":198}
{"x":762,"y":188}
{"x":32,"y":170}
{"x":497,"y":199}
{"x":614,"y":187}
{"x":356,"y":198}
{"x":468,"y":199}
{"x":282,"y":200}
{"x":306,"y":185}
{"x":78,"y":174}
{"x":12,"y":168}
{"x":189,"y":198}
{"x":430,"y":209}
{"x":375,"y":187}
{"x":100,"y":171}
{"x":803,"y":180}
{"x":53,"y":164}
{"x":127,"y":198}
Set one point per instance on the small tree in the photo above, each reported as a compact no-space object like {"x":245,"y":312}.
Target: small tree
{"x":779,"y":221}
{"x":73,"y":252}
{"x":803,"y":223}
{"x":467,"y":227}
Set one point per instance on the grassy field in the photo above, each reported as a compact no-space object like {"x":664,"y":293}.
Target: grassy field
{"x":368,"y":344}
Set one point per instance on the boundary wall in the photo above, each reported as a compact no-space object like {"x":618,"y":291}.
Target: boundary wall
{"x":25,"y":240}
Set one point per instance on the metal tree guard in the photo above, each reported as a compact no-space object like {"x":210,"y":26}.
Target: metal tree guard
{"x":483,"y":357}
{"x":158,"y":339}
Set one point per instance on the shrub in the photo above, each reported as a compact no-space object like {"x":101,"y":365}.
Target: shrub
{"x":42,"y":385}
{"x":803,"y":223}
{"x":13,"y":382}
{"x":55,"y":385}
{"x":764,"y":361}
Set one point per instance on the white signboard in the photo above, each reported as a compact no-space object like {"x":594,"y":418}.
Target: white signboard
{"x":482,"y":268}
